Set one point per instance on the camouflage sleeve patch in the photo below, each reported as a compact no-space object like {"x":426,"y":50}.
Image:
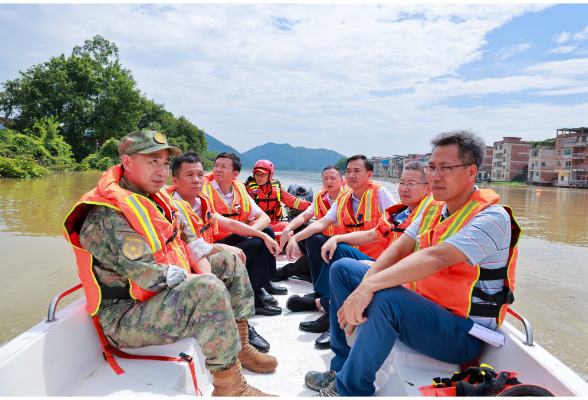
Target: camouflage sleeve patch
{"x":133,"y":246}
{"x":187,"y":234}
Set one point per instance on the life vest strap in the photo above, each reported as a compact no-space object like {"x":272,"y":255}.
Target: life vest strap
{"x":110,"y":350}
{"x":204,"y":228}
{"x":495,"y":274}
{"x":229,"y":215}
{"x":505,"y":296}
{"x":354,"y":225}
{"x":115,"y":293}
{"x":398,"y":230}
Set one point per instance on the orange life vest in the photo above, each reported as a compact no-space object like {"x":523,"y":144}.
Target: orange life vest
{"x":387,"y":233}
{"x":270,"y":203}
{"x":366,"y":217}
{"x":160,"y":232}
{"x":204,"y":228}
{"x":238,"y":211}
{"x":321,"y":208}
{"x":453,"y":287}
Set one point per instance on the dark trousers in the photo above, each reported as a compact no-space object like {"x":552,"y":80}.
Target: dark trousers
{"x":393,"y":313}
{"x":260,"y":263}
{"x":313,"y":247}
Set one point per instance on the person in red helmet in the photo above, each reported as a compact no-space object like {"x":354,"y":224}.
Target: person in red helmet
{"x":269,"y":195}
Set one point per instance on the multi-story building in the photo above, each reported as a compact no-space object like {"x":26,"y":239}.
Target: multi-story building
{"x":413,"y":157}
{"x":510,"y":158}
{"x":571,"y":156}
{"x":541,"y":164}
{"x":486,"y":168}
{"x":428,"y":158}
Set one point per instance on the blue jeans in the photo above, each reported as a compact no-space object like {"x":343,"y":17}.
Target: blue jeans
{"x":393,"y":313}
{"x":319,"y":269}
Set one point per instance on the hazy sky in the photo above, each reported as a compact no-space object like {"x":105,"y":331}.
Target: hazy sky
{"x":378,"y":80}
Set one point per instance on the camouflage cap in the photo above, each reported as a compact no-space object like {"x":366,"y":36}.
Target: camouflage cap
{"x":145,"y":142}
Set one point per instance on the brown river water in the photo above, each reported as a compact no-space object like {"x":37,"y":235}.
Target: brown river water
{"x":36,"y":262}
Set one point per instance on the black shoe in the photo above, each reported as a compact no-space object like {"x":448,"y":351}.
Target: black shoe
{"x":323,"y":341}
{"x":319,"y":326}
{"x":313,"y":295}
{"x":257,"y":341}
{"x":297,"y":303}
{"x":262,"y":306}
{"x":283,"y":273}
{"x":268,"y":297}
{"x":276,"y":290}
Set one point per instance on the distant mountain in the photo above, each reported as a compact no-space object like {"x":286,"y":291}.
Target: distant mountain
{"x":285,"y":156}
{"x":219,"y":147}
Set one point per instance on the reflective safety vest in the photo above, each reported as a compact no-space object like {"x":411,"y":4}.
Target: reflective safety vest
{"x":366,"y":217}
{"x":453,"y":287}
{"x":321,"y":208}
{"x":160,"y":233}
{"x":271,"y":204}
{"x":239,"y":210}
{"x":387,"y":233}
{"x":204,"y":228}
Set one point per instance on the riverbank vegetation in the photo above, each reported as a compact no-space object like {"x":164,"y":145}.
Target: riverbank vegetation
{"x":68,"y":113}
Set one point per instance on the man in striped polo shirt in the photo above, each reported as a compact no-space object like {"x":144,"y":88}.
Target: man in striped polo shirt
{"x":462,"y":273}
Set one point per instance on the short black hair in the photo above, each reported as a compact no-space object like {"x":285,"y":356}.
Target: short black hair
{"x":471,"y":146}
{"x":368,"y":164}
{"x":189,"y":157}
{"x":235,"y":158}
{"x":337,"y":169}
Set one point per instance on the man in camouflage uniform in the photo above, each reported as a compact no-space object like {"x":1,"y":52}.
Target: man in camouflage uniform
{"x":211,"y":307}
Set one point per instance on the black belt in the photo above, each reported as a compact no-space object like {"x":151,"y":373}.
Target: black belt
{"x":115,"y":293}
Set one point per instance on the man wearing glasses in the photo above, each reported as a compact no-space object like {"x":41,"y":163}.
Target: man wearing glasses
{"x":358,"y":209}
{"x":461,"y":273}
{"x":231,"y":200}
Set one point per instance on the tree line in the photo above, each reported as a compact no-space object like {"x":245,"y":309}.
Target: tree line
{"x":68,"y":113}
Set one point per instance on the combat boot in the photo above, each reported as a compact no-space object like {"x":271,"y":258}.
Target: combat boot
{"x":232,"y":383}
{"x":250,"y":357}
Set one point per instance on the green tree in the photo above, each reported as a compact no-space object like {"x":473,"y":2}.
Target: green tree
{"x":342,"y":163}
{"x":89,"y":92}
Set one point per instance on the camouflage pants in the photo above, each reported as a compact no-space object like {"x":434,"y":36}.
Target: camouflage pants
{"x":204,"y":308}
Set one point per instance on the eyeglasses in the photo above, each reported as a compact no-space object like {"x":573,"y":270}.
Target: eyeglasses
{"x":221,"y":166}
{"x":442,"y":169}
{"x":410,"y":185}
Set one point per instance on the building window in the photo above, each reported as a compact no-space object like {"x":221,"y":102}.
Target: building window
{"x":500,"y":147}
{"x":569,"y":142}
{"x":536,"y":173}
{"x":561,"y":178}
{"x":559,"y":141}
{"x":582,"y":161}
{"x":505,"y":151}
{"x":567,"y":152}
{"x":559,"y":152}
{"x":558,"y":163}
{"x":495,"y":147}
{"x":542,"y":164}
{"x":535,"y":153}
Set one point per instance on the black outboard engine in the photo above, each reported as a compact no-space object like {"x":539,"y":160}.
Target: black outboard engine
{"x":301,"y":191}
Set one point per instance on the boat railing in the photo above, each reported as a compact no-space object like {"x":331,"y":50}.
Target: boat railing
{"x":526,"y":324}
{"x":56,"y":299}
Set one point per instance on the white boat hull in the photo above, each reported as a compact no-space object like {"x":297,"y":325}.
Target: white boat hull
{"x":64,"y":358}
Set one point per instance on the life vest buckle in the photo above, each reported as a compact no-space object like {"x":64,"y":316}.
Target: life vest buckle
{"x":186,"y":357}
{"x":510,"y":297}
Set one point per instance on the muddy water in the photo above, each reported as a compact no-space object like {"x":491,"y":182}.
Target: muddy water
{"x":36,"y":262}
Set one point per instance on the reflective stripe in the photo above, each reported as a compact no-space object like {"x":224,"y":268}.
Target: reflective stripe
{"x":459,"y":219}
{"x":316,"y":204}
{"x":296,"y":203}
{"x":244,"y":199}
{"x":340,"y":209}
{"x":423,"y":206}
{"x":428,"y":218}
{"x":145,"y":221}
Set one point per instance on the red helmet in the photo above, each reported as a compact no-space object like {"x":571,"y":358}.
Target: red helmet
{"x":264,"y":166}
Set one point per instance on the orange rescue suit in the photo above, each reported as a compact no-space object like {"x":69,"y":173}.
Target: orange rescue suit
{"x":203,"y":227}
{"x":453,"y":287}
{"x":238,"y":211}
{"x":387,"y":233}
{"x":159,"y":231}
{"x":366,"y":217}
{"x":321,"y":208}
{"x":271,"y":203}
